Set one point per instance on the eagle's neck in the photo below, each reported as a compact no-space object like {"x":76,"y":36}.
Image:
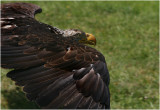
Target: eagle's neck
{"x":57,"y":30}
{"x":64,"y":33}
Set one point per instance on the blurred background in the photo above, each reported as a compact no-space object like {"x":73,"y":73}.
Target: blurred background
{"x":127,"y":35}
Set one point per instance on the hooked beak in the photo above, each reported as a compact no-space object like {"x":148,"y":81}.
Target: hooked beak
{"x":91,"y":39}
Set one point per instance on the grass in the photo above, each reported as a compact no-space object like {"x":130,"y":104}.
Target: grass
{"x":127,"y":35}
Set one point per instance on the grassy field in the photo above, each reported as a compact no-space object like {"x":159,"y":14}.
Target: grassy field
{"x":127,"y":35}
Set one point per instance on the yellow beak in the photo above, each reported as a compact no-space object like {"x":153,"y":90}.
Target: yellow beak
{"x":91,"y":39}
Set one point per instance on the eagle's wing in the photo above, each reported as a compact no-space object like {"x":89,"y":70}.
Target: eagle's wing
{"x":55,"y":73}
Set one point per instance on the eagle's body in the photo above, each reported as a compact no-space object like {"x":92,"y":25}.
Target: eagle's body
{"x":54,"y":66}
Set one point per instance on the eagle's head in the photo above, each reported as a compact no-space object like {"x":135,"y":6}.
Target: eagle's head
{"x":80,"y":36}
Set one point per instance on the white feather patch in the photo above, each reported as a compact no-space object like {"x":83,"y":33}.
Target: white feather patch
{"x":9,"y":26}
{"x":8,"y":18}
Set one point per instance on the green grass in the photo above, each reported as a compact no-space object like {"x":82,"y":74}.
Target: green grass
{"x":127,"y":35}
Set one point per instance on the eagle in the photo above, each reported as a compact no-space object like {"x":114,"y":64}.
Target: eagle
{"x":56,"y":68}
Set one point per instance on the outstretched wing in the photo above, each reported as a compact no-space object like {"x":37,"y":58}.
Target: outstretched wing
{"x":54,"y":72}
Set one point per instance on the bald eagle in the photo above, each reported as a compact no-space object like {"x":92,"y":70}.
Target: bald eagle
{"x":55,"y":67}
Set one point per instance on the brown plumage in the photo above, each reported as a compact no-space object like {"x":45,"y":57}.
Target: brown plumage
{"x":55,"y":67}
